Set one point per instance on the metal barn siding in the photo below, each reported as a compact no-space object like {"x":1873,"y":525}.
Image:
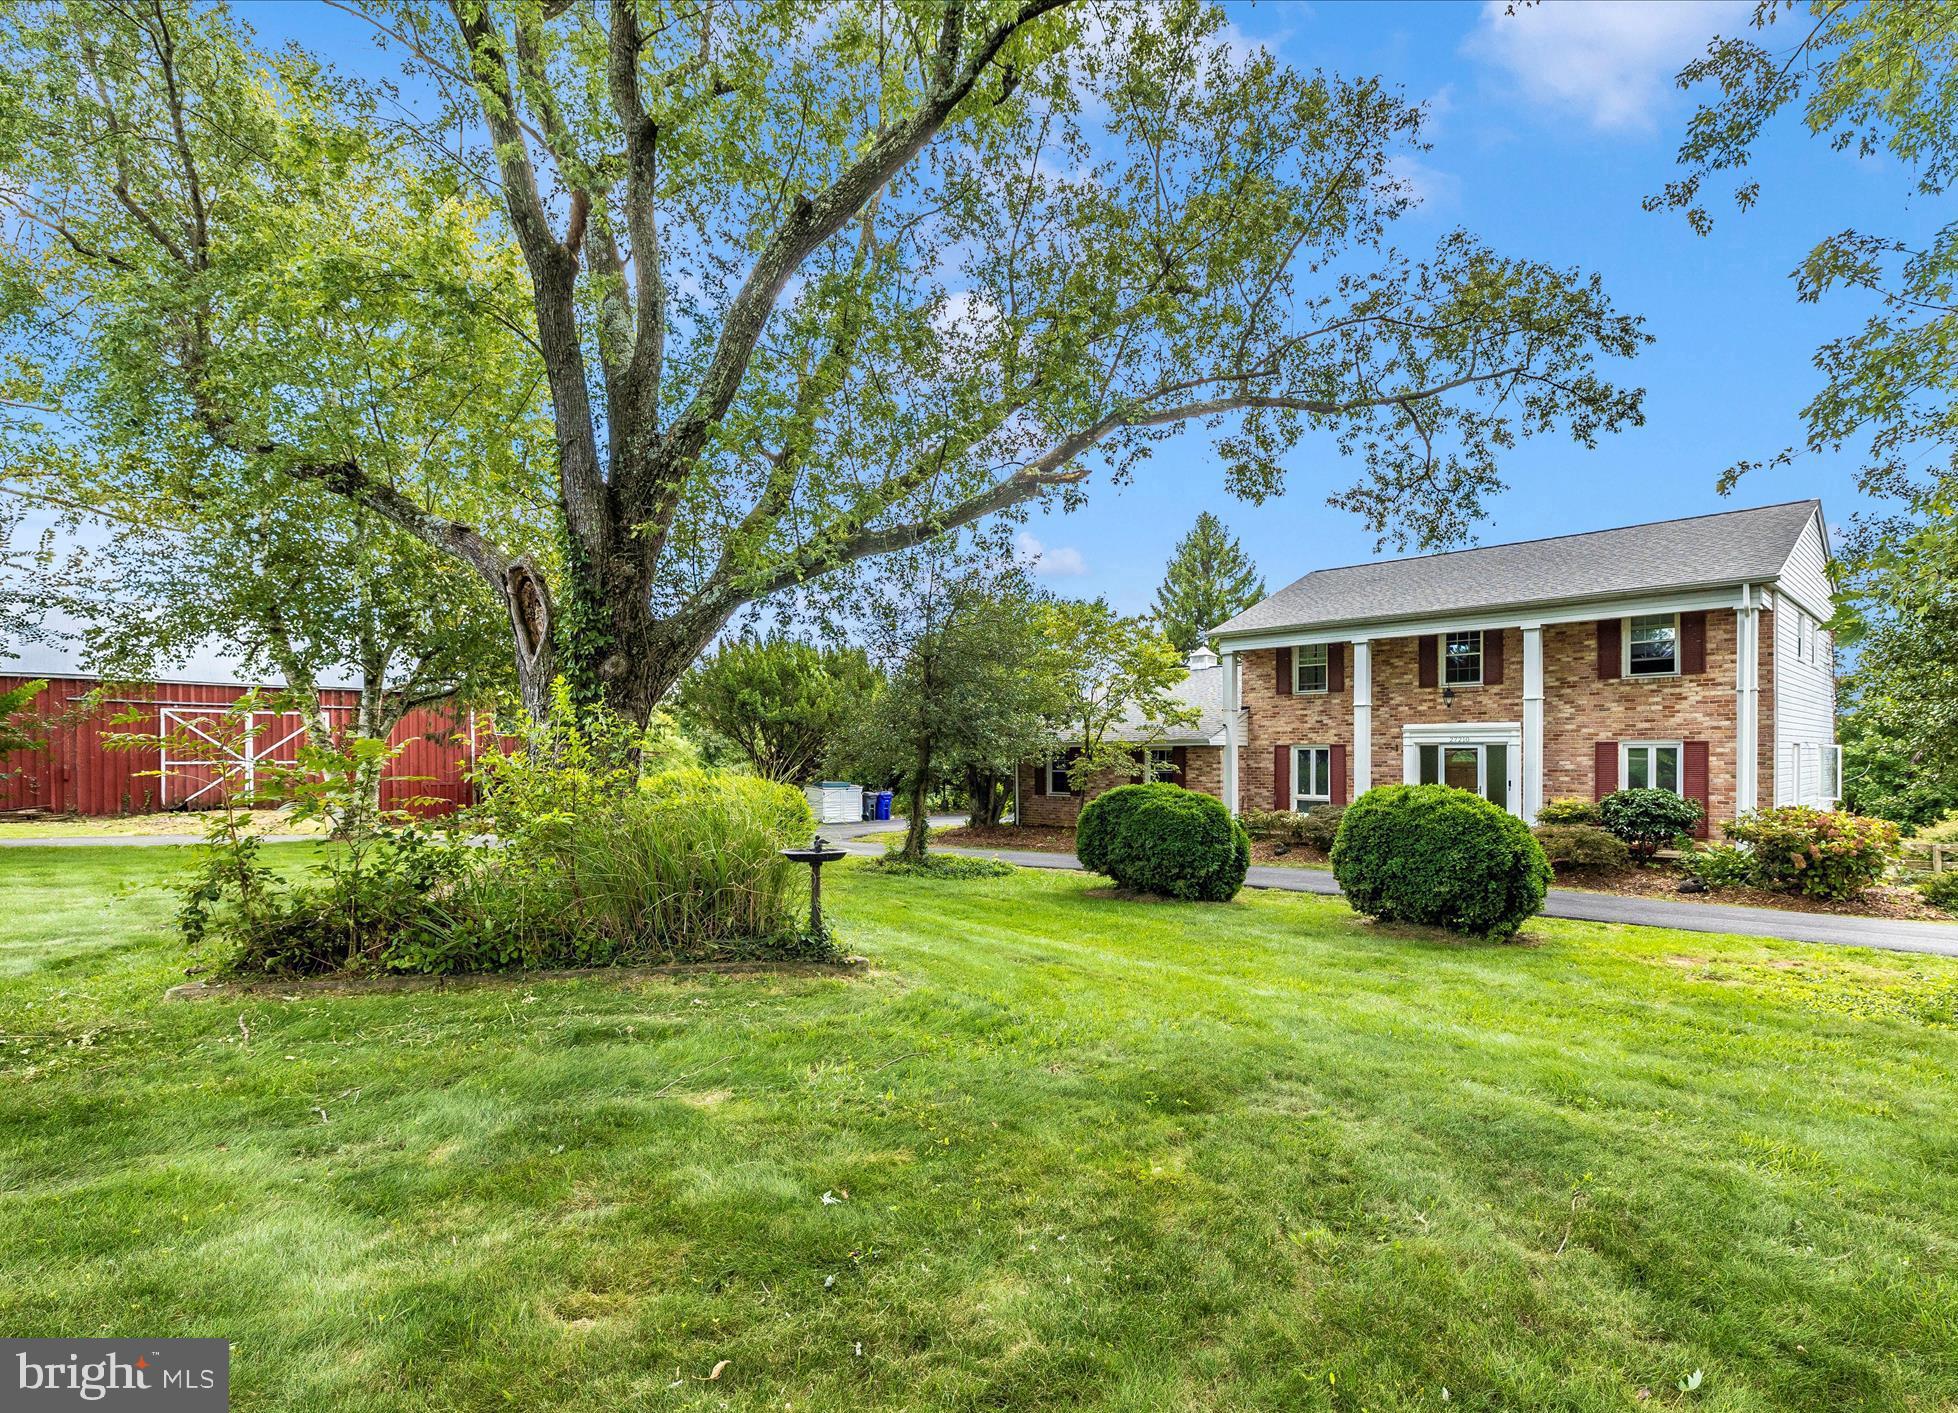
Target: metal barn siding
{"x":81,"y":773}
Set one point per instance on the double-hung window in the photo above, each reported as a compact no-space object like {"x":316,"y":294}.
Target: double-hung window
{"x":1462,"y":660}
{"x":1652,"y":646}
{"x":1312,"y":776}
{"x":1310,"y":673}
{"x":1159,"y":763}
{"x":1649,"y":765}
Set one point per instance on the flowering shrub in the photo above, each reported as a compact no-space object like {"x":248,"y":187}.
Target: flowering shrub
{"x":1822,"y":853}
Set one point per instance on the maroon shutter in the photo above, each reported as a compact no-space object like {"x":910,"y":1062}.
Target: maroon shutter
{"x":1281,"y":777}
{"x":1610,"y":653}
{"x":1179,"y":761}
{"x":1607,"y":769}
{"x":1339,"y":775}
{"x":1427,"y":648}
{"x":1335,"y":668}
{"x":1695,"y":777}
{"x":1692,"y":643}
{"x":1284,"y":656}
{"x":1040,"y":777}
{"x":1135,"y":776}
{"x":1492,"y":658}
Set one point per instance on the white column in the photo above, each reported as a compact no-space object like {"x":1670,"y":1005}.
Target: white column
{"x":1532,"y":800}
{"x":1227,"y":660}
{"x":1747,"y":702}
{"x":1362,"y":716}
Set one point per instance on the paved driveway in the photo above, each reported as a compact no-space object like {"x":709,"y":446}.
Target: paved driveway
{"x":1936,"y":938}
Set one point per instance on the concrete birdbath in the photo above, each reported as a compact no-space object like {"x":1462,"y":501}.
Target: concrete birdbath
{"x":816,"y":855}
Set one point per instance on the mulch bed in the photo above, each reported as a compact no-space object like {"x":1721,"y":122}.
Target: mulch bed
{"x":1047,"y":838}
{"x":1273,"y":851}
{"x":1902,"y":904}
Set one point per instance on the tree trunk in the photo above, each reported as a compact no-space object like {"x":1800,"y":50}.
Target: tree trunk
{"x":917,"y":830}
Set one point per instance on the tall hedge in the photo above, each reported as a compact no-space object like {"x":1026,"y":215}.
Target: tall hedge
{"x":1442,"y":857}
{"x":1165,"y":840}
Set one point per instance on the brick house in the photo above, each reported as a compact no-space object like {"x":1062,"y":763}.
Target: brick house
{"x":1687,"y":655}
{"x":1191,"y":756}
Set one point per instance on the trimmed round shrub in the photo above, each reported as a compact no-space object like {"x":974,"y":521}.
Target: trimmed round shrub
{"x":1569,"y":809}
{"x":1648,"y":820}
{"x":1582,"y":848}
{"x":1442,"y":857}
{"x":1165,"y":840}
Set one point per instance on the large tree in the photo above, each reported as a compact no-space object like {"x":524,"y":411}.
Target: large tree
{"x":1209,"y":579}
{"x":811,"y":282}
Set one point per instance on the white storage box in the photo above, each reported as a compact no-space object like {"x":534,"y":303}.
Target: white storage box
{"x":836,"y":802}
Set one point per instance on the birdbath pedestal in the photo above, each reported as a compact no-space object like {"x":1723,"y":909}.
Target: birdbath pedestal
{"x":816,"y":855}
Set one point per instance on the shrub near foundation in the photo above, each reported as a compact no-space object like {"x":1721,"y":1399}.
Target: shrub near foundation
{"x":1442,"y":857}
{"x":1165,"y":840}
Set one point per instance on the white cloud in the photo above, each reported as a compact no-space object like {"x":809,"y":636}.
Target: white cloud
{"x":1059,"y":562}
{"x":1611,"y":61}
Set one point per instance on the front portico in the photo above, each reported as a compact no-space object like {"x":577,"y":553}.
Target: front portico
{"x":1483,"y":757}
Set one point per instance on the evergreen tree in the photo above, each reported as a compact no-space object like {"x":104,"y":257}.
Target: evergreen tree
{"x":1209,"y":579}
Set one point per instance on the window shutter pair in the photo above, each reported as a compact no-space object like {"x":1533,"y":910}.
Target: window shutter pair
{"x":1695,"y":778}
{"x":1335,"y":669}
{"x":1611,"y":646}
{"x":1281,"y":776}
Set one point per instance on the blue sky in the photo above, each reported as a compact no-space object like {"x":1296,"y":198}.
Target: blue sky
{"x":1547,"y":129}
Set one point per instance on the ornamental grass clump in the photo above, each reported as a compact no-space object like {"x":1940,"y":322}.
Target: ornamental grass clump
{"x":1819,"y":853}
{"x":1442,"y":857}
{"x":1165,"y":840}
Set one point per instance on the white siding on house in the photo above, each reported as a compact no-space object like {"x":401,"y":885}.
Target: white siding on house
{"x":1804,"y":675}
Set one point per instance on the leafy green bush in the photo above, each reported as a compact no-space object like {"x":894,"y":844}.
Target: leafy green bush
{"x":1582,"y":848}
{"x":1319,"y":826}
{"x":1444,"y":857}
{"x":590,"y":866}
{"x":1940,"y":890}
{"x":1569,"y":809}
{"x":1820,"y":853}
{"x":1166,"y":840}
{"x":1648,"y":820}
{"x":1719,"y":866}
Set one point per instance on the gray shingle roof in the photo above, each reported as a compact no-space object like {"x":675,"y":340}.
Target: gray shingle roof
{"x":1203,"y":689}
{"x":1732,"y":547}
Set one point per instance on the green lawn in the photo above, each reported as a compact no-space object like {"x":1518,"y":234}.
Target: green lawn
{"x":1080,"y":1153}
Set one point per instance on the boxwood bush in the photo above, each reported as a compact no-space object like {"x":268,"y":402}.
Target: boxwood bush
{"x":1165,"y":840}
{"x":1569,"y":809}
{"x":1444,"y":857}
{"x":1582,"y":848}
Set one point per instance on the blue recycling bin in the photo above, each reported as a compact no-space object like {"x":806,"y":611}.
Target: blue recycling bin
{"x":883,"y":804}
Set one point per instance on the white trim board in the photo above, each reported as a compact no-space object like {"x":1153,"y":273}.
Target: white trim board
{"x":1516,"y":616}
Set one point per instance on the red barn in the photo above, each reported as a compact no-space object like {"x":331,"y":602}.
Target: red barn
{"x":80,"y":772}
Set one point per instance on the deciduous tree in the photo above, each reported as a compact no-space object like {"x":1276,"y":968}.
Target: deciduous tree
{"x":811,"y":283}
{"x":1114,"y":671}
